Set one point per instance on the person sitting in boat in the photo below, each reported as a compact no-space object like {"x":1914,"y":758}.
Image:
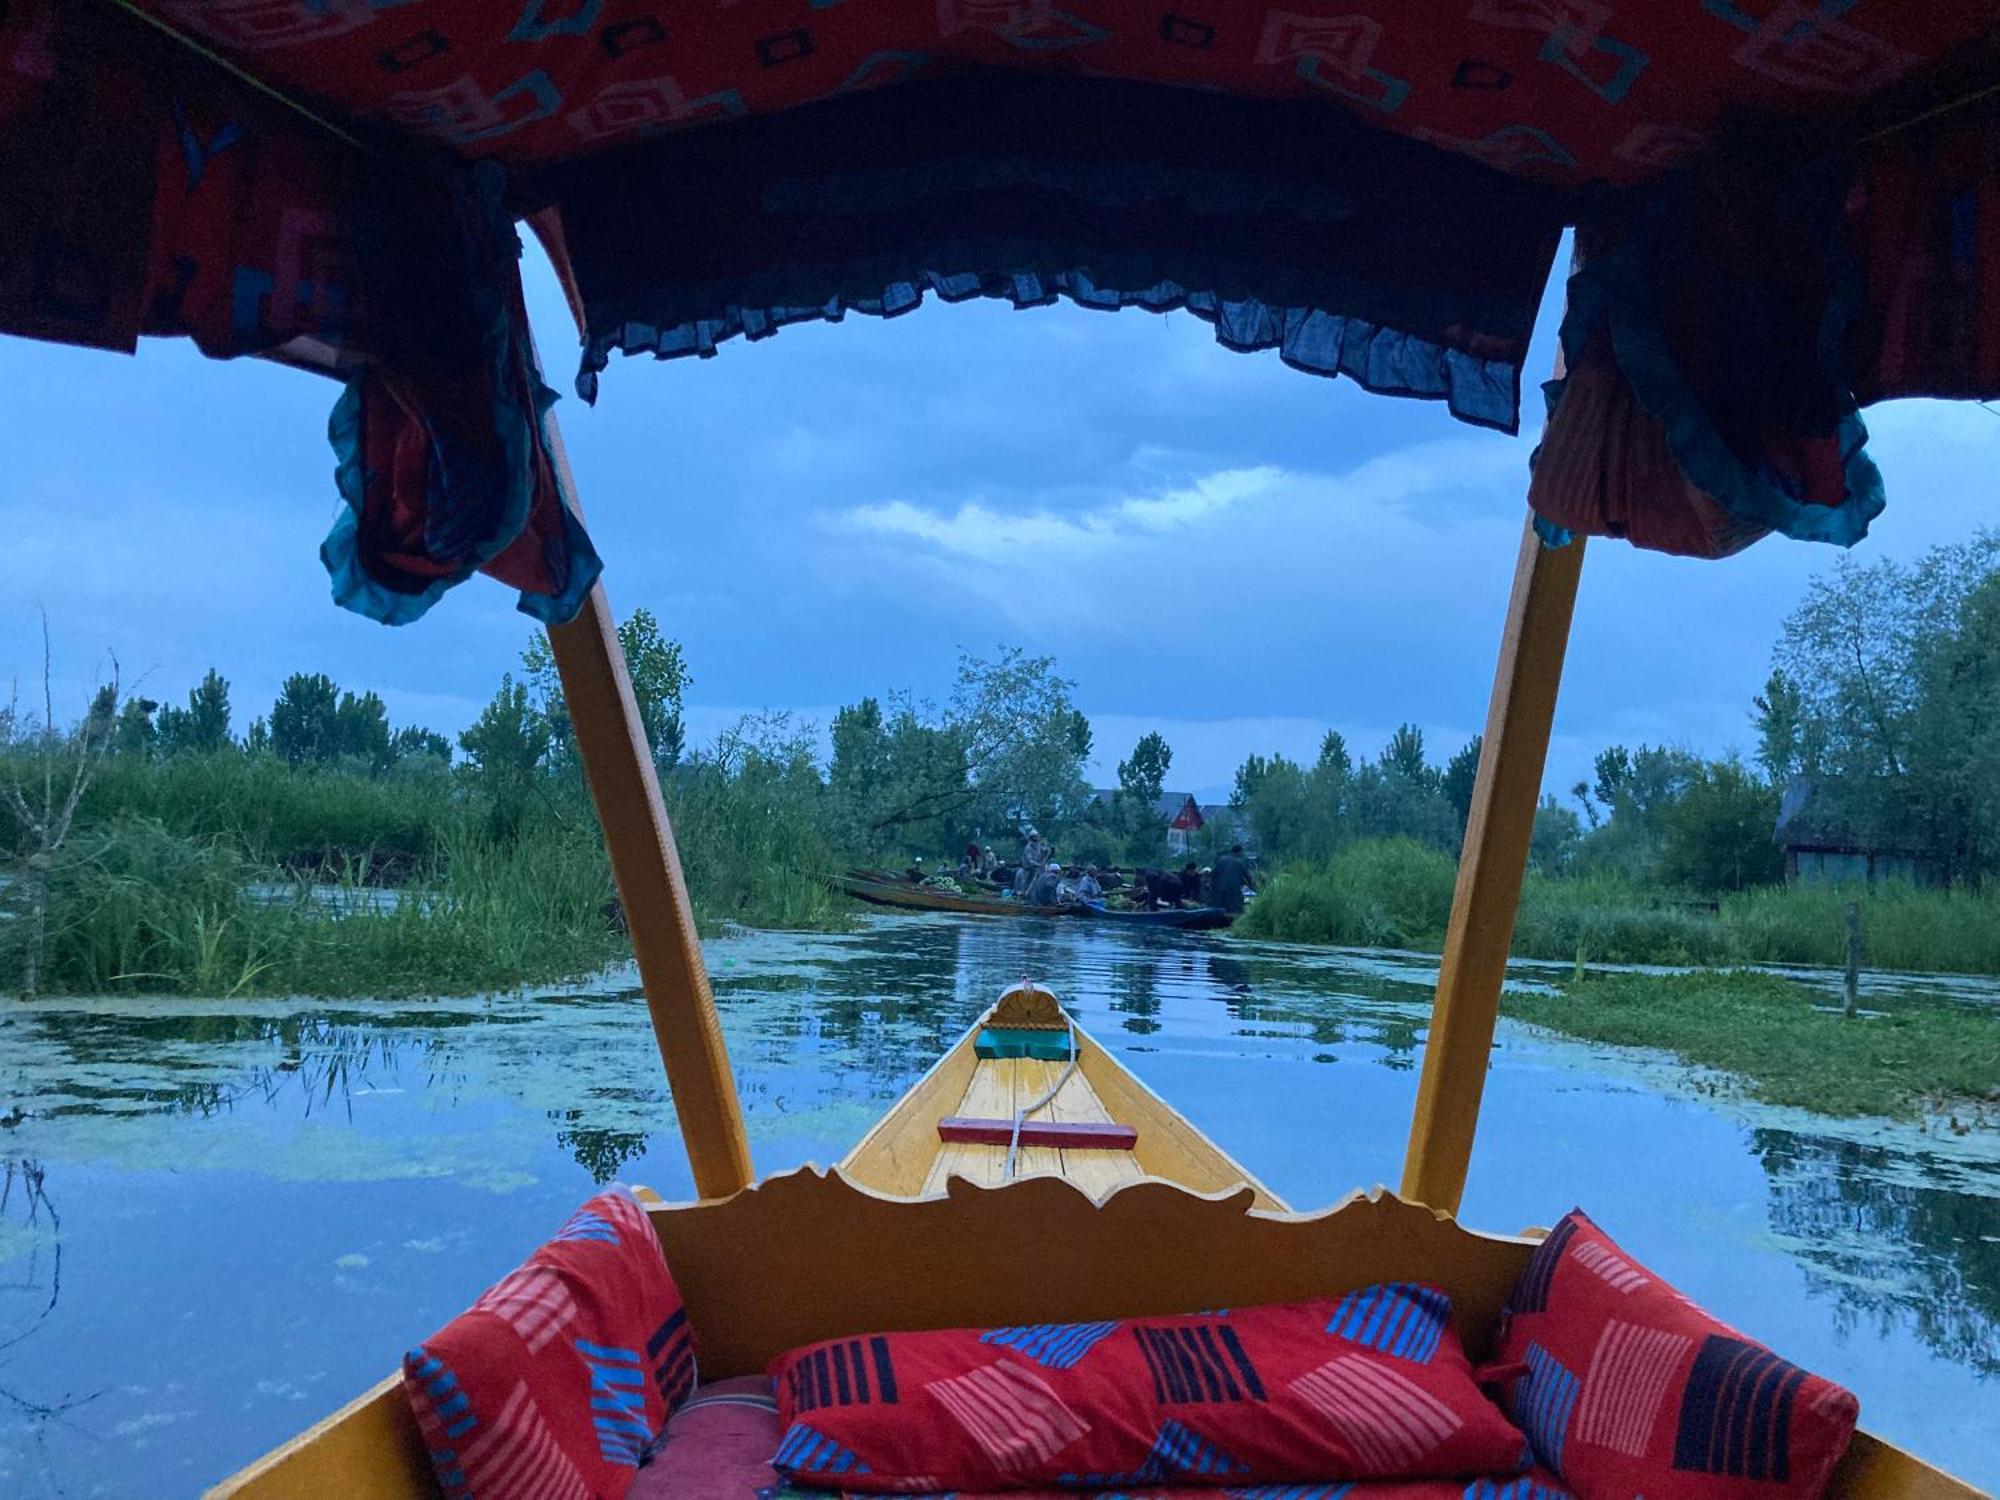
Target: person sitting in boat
{"x":915,"y":873}
{"x":1047,"y":889}
{"x":1232,"y":878}
{"x":1087,"y":888}
{"x":1162,"y":887}
{"x":969,"y":863}
{"x":1191,"y":883}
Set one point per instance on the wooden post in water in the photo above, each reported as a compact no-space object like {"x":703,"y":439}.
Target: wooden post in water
{"x":1490,"y":870}
{"x":1853,"y":957}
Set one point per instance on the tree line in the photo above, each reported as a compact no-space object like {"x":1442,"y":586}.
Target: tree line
{"x":1881,"y":714}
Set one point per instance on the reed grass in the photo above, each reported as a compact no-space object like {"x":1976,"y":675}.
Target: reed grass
{"x":136,"y":908}
{"x":1397,"y":893}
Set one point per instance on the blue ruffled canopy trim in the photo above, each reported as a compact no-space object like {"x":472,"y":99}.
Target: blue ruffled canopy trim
{"x":1382,"y":360}
{"x":489,"y":455}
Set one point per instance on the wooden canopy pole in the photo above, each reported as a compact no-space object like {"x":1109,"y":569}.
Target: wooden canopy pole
{"x":646,"y":864}
{"x":618,"y":764}
{"x":1490,"y":870}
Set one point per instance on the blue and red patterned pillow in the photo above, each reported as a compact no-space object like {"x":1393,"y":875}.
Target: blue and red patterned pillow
{"x":1628,"y":1388}
{"x":557,"y":1380}
{"x":1371,"y":1386}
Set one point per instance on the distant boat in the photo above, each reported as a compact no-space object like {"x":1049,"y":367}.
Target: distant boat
{"x":1187,"y":918}
{"x":885,"y":889}
{"x":882,"y":888}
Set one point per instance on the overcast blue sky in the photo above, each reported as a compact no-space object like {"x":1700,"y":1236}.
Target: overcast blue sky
{"x":1211,"y":544}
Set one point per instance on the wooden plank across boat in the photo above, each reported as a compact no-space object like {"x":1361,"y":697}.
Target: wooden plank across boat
{"x":918,"y":1227}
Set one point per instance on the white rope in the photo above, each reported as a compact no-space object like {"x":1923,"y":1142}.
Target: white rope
{"x":1014,"y":1140}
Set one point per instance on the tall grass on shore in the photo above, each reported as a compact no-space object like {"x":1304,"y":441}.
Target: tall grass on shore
{"x":1397,"y":893}
{"x":1784,"y":1042}
{"x":235,"y":874}
{"x":135,"y":908}
{"x":314,"y":819}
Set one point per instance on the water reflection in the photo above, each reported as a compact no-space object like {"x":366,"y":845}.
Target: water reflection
{"x":1891,"y":1248}
{"x":225,"y":1167}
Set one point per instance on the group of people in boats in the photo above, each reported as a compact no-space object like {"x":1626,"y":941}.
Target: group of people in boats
{"x":1038,"y":878}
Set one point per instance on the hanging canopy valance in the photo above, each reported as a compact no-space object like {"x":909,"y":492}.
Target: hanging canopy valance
{"x":1768,"y":242}
{"x":1349,"y":252}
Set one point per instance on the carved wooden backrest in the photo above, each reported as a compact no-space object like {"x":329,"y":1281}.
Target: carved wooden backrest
{"x":809,"y":1255}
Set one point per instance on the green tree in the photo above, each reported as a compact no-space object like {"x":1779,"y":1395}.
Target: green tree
{"x":660,"y":680}
{"x":1955,"y":736}
{"x":1404,"y":754}
{"x":1136,"y":810}
{"x":1718,"y":830}
{"x":1461,"y":772}
{"x":305,"y":721}
{"x":505,"y":749}
{"x":1249,"y":778}
{"x":361,"y":731}
{"x":413,"y":741}
{"x":1080,"y":737}
{"x":1558,"y":831}
{"x":1143,"y":776}
{"x":1634,"y":790}
{"x":203,"y":726}
{"x":136,"y":733}
{"x":1780,"y":719}
{"x":1866,"y":651}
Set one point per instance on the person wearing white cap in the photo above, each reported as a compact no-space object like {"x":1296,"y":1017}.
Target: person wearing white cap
{"x":1034,"y":853}
{"x":1047,"y":885}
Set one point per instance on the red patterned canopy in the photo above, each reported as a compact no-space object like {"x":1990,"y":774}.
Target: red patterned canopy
{"x":1567,"y":91}
{"x":1791,"y":207}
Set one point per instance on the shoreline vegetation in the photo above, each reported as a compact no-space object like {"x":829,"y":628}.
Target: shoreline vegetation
{"x":1781,"y":1043}
{"x":150,"y":847}
{"x":1397,"y":894}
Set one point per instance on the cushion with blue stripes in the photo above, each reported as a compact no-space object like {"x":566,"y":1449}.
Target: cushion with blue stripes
{"x":1626,"y":1387}
{"x":1372,"y":1385}
{"x":558,"y":1380}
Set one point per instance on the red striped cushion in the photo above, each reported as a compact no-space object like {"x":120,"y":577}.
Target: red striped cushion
{"x":556,"y":1381}
{"x":1629,"y":1388}
{"x":1373,"y":1385}
{"x":1536,"y":1484}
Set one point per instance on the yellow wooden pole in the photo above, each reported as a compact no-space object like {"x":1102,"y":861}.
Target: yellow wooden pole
{"x":1490,"y":871}
{"x":618,"y":764}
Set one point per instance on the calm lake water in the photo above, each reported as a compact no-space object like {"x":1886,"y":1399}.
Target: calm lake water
{"x":218,"y":1220}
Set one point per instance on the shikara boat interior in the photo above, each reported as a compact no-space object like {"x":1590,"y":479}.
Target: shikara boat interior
{"x":1781,"y":211}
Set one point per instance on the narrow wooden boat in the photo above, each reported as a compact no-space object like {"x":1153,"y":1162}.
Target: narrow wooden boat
{"x":879,"y":888}
{"x":1082,"y":1116}
{"x":1185,"y":918}
{"x":937,"y":1219}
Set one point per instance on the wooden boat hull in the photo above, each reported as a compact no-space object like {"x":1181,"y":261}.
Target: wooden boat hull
{"x":1184,"y":919}
{"x":879,"y":888}
{"x":905,"y":895}
{"x":1179,"y":1225}
{"x":903,"y":1155}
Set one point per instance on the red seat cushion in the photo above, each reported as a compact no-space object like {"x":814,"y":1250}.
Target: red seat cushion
{"x":717,"y":1445}
{"x":1629,"y":1388}
{"x":1373,"y":1385}
{"x":556,"y":1380}
{"x":1536,"y":1484}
